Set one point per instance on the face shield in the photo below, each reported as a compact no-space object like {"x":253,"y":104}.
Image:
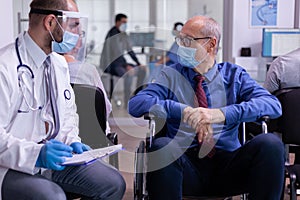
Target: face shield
{"x":75,"y":23}
{"x":74,"y":27}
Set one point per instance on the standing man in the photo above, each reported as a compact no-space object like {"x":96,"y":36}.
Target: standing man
{"x":204,"y":102}
{"x":38,"y":120}
{"x":112,"y":60}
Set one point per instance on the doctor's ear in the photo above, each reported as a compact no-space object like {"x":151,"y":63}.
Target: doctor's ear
{"x":49,"y":22}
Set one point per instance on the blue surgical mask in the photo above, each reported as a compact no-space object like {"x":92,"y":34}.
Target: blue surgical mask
{"x":186,"y":56}
{"x":123,"y":27}
{"x":68,"y":43}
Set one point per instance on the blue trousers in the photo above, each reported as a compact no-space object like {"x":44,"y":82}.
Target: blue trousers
{"x":94,"y":181}
{"x":256,"y":168}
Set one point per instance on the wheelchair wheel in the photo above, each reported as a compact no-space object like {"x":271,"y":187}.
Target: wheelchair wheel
{"x":139,"y":172}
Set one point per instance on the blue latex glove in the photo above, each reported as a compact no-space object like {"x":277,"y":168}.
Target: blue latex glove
{"x":52,"y":154}
{"x":79,"y":147}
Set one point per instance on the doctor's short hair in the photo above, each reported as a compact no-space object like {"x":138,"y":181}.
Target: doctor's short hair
{"x":49,"y":4}
{"x":46,"y":5}
{"x":211,"y":28}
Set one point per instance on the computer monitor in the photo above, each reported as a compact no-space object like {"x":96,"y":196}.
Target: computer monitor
{"x":278,"y":42}
{"x":142,"y":39}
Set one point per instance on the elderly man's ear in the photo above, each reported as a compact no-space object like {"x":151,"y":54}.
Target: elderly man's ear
{"x":212,"y":45}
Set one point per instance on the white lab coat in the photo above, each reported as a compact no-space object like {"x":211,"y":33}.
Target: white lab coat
{"x":20,"y":132}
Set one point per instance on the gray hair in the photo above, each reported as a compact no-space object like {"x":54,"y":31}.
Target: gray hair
{"x":211,"y":28}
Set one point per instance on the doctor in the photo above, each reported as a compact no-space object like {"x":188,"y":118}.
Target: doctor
{"x":38,"y":120}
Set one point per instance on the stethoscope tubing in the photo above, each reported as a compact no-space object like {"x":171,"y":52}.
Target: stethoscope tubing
{"x":50,"y":136}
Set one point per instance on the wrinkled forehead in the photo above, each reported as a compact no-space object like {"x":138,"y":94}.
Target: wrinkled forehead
{"x":192,"y":28}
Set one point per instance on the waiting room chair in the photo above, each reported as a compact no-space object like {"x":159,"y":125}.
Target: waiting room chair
{"x":289,"y":126}
{"x":156,"y":129}
{"x":90,"y":102}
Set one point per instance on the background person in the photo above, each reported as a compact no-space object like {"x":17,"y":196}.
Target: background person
{"x":168,"y":59}
{"x":283,"y":73}
{"x":204,"y":103}
{"x":80,"y":71}
{"x":38,"y":120}
{"x":112,"y":60}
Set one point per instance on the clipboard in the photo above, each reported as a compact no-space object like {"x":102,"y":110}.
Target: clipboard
{"x":91,"y":156}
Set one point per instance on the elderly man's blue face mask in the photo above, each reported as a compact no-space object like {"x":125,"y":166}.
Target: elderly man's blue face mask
{"x":187,"y":54}
{"x":187,"y":58}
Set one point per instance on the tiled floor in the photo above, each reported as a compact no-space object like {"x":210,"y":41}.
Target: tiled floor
{"x":130,"y":131}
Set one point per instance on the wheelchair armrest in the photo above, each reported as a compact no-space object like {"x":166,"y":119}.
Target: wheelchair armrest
{"x":157,"y":127}
{"x":149,"y":116}
{"x":264,"y":120}
{"x":261,"y":122}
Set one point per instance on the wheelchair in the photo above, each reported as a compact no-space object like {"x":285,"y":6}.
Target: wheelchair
{"x":156,"y":129}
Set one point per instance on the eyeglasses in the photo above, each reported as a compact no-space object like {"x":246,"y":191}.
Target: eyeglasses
{"x":187,"y":41}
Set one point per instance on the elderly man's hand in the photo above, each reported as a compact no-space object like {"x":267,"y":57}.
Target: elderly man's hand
{"x":204,"y":132}
{"x":201,"y":119}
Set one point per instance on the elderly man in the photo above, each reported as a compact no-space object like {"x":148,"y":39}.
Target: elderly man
{"x":203,"y":103}
{"x":38,"y":120}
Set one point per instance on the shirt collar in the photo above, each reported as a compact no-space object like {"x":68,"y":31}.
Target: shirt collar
{"x":211,"y":72}
{"x":36,"y":53}
{"x":208,"y":75}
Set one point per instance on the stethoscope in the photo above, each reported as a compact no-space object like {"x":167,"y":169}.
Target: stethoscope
{"x":23,"y":71}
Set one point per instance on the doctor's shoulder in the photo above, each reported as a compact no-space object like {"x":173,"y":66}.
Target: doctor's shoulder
{"x":8,"y":57}
{"x":60,"y":60}
{"x":8,"y":50}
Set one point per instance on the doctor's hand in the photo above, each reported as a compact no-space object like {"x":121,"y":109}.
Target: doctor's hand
{"x":79,"y":147}
{"x":52,"y":154}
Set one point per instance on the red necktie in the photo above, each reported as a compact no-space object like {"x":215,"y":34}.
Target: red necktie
{"x":207,"y":147}
{"x":200,"y":94}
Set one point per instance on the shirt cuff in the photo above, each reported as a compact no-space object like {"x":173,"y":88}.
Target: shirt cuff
{"x":228,"y":112}
{"x":177,"y":110}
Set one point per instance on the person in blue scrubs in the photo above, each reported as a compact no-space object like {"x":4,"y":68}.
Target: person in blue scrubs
{"x":168,"y":59}
{"x":181,"y":162}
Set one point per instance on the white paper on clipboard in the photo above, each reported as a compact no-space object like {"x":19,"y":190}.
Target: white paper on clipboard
{"x":91,"y":155}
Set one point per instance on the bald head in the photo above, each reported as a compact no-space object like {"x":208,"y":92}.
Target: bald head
{"x":73,"y":23}
{"x":204,"y":26}
{"x":72,"y":6}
